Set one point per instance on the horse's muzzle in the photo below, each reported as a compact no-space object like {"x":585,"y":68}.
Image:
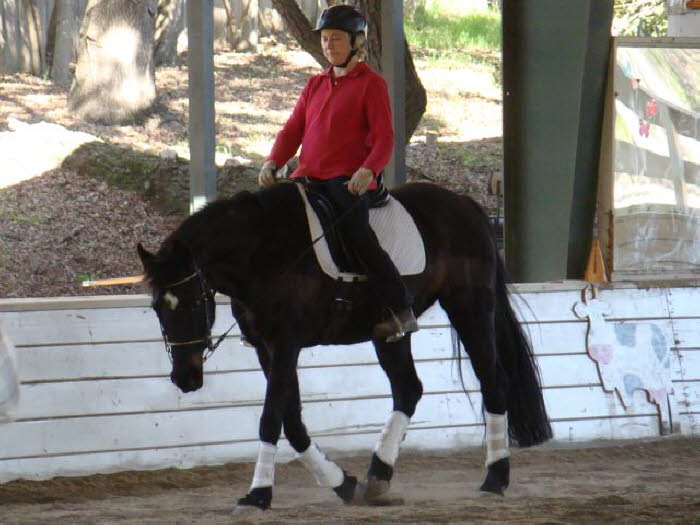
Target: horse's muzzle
{"x":188,"y":383}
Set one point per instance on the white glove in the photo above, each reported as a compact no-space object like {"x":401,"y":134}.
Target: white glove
{"x":360,"y":181}
{"x":267,"y":176}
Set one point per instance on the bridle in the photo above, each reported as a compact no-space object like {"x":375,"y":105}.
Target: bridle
{"x":206,"y":292}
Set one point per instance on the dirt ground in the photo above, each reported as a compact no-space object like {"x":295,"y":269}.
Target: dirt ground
{"x":651,"y":482}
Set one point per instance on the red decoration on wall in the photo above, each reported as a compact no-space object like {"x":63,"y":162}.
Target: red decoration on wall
{"x":652,"y":109}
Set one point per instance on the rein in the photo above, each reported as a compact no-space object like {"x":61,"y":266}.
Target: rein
{"x":207,"y":318}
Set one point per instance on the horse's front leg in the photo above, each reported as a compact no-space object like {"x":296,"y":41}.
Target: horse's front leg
{"x":406,"y":391}
{"x":281,"y":379}
{"x":325,"y":472}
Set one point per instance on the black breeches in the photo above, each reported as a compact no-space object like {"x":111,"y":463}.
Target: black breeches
{"x":355,"y":229}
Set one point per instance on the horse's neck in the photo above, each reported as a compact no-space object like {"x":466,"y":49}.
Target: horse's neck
{"x":242,"y":253}
{"x":212,"y":237}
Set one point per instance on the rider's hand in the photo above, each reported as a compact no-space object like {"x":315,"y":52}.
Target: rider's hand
{"x":360,"y":181}
{"x":267,"y":177}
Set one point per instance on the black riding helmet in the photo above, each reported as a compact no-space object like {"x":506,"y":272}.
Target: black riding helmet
{"x":346,"y":18}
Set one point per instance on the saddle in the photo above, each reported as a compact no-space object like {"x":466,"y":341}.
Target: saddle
{"x":394,"y":227}
{"x":341,"y":252}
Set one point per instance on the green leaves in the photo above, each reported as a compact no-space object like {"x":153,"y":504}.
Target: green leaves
{"x":640,"y":18}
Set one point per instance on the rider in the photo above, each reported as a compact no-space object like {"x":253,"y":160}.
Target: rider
{"x":343,"y":123}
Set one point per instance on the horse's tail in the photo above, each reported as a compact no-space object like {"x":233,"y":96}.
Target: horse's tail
{"x":528,"y":423}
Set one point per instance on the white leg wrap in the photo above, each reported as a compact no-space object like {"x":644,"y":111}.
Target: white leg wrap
{"x":496,"y":437}
{"x":265,"y":467}
{"x":393,"y":434}
{"x":325,"y":472}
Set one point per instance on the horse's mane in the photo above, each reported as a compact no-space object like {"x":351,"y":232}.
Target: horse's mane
{"x":194,"y":232}
{"x":194,"y":225}
{"x":211,"y":231}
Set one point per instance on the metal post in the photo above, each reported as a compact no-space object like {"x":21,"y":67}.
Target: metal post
{"x":200,"y":36}
{"x":394,"y":72}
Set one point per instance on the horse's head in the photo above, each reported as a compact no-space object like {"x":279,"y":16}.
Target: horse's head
{"x":185,"y":307}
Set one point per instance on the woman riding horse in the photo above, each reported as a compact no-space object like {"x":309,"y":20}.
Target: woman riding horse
{"x":343,"y":123}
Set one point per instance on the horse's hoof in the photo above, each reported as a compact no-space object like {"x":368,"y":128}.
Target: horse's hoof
{"x":376,"y":488}
{"x":350,"y":491}
{"x":497,"y":478}
{"x":377,"y":494}
{"x":256,"y":501}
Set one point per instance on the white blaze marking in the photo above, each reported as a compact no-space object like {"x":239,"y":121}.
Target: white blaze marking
{"x":171,"y":299}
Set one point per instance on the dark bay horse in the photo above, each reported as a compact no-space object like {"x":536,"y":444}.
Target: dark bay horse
{"x":255,"y":248}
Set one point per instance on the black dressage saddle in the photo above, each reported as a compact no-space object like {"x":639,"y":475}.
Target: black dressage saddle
{"x":342,"y":253}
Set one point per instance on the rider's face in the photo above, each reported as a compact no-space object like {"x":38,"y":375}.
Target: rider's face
{"x":336,"y":45}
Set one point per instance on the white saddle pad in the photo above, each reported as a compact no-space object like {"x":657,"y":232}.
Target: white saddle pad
{"x":395,"y":229}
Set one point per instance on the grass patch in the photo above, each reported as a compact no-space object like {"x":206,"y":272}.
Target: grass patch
{"x":462,"y":38}
{"x":33,"y":220}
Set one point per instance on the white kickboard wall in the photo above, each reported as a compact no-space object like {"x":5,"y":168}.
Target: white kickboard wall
{"x":96,"y":394}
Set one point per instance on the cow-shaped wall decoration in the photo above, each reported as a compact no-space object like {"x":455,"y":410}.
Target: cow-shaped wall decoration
{"x":631,"y":356}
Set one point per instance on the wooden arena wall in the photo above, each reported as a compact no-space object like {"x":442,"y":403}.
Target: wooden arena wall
{"x":96,"y":394}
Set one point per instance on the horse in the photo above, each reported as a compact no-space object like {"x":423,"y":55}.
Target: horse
{"x":254,"y":248}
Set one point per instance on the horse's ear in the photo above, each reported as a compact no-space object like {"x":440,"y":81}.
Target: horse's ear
{"x":146,"y":257}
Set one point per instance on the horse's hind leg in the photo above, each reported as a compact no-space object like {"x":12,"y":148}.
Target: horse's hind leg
{"x":472,"y":313}
{"x":406,"y":391}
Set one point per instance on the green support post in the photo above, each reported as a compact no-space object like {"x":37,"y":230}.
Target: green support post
{"x":555,"y":57}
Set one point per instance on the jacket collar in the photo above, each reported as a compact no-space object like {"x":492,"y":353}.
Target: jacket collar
{"x":358,"y":70}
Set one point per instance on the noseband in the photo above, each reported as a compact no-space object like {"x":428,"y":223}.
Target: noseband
{"x":205,"y":292}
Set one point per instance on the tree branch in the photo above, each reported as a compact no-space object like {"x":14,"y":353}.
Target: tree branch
{"x":300,"y":28}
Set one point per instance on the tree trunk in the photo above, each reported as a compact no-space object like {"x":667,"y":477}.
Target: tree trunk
{"x":9,"y":37}
{"x":310,"y":8}
{"x":170,"y":21}
{"x":230,"y":23}
{"x":300,"y":28}
{"x":22,"y":37}
{"x":45,"y":8}
{"x":115,"y":75}
{"x":416,"y":97}
{"x":249,"y":27}
{"x":32,"y":42}
{"x":63,"y":39}
{"x":270,"y":20}
{"x":243,"y":25}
